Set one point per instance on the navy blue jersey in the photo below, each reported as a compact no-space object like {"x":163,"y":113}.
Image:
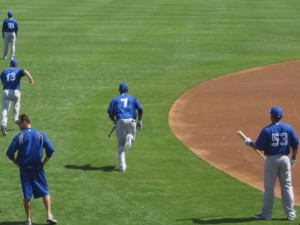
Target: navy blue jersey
{"x":11,"y":78}
{"x":124,"y":106}
{"x":10,"y":25}
{"x":30,"y":144}
{"x":277,"y":138}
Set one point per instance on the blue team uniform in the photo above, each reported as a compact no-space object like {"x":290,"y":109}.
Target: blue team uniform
{"x":123,"y":110}
{"x":124,"y":106}
{"x":10,"y":29}
{"x":277,"y":139}
{"x":11,"y":78}
{"x":30,"y":144}
{"x":10,"y":25}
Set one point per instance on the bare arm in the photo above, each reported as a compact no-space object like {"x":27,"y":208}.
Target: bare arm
{"x":14,"y":161}
{"x":112,"y":118}
{"x":45,"y":160}
{"x":31,"y":81}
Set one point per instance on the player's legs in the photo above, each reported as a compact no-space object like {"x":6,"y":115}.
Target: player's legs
{"x":25,"y":177}
{"x":122,"y":158}
{"x":47,"y":203}
{"x":121,"y":136}
{"x":270,"y":175}
{"x":131,"y":127}
{"x":17,"y":104}
{"x":13,"y":45}
{"x":121,"y":131}
{"x":6,"y":43}
{"x":27,"y":204}
{"x":5,"y":108}
{"x":287,"y":194}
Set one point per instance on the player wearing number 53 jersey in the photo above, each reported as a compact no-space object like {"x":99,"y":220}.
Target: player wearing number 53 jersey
{"x":123,"y":111}
{"x":277,"y":140}
{"x":11,"y":79}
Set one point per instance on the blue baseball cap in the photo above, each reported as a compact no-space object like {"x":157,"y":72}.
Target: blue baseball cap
{"x":10,"y":14}
{"x":123,"y":87}
{"x":276,"y":112}
{"x":14,"y":63}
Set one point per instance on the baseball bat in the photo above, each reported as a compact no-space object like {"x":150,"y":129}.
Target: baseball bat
{"x":111,"y":131}
{"x":244,"y":137}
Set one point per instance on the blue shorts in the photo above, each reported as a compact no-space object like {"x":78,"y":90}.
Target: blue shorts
{"x":34,"y":183}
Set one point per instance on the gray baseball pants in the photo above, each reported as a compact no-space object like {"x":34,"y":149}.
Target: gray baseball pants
{"x":124,"y":127}
{"x":9,"y":38}
{"x":278,"y":166}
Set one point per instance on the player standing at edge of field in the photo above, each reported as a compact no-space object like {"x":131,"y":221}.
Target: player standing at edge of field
{"x":122,"y":111}
{"x":9,"y":33}
{"x":11,"y":79}
{"x":276,"y":140}
{"x":30,"y":143}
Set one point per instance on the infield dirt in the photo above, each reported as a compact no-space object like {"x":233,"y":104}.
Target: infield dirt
{"x":207,"y":117}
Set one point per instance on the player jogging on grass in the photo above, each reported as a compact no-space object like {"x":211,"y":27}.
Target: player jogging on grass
{"x":11,"y":79}
{"x":122,"y":111}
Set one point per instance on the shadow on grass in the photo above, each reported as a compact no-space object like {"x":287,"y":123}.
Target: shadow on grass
{"x":225,"y":220}
{"x":220,"y":221}
{"x":20,"y":223}
{"x":88,"y":167}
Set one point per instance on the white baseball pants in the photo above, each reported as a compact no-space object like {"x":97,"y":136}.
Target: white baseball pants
{"x":8,"y":97}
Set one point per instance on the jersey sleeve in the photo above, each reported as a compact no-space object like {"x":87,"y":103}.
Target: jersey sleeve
{"x":13,"y":147}
{"x":294,"y":141}
{"x":110,"y":109}
{"x":48,"y":146}
{"x":262,"y":140}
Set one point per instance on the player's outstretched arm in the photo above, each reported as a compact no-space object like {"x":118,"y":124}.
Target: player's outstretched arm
{"x":31,"y":81}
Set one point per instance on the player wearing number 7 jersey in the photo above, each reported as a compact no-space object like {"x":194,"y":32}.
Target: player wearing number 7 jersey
{"x":277,"y":140}
{"x":123,"y":111}
{"x":11,"y":79}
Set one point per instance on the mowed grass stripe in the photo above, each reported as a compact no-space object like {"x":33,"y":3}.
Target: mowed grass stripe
{"x":79,"y":51}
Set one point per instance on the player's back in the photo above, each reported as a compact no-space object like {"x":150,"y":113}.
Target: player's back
{"x":11,"y":78}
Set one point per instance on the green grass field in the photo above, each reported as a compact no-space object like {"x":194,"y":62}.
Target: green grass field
{"x":78,"y":51}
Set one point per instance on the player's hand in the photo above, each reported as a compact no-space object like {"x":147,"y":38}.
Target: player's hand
{"x":248,"y":141}
{"x":293,"y":162}
{"x":139,"y":125}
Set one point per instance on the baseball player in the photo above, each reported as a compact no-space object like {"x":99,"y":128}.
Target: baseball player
{"x":276,"y":140}
{"x":11,"y":78}
{"x":30,"y":143}
{"x":122,"y":111}
{"x":9,"y":33}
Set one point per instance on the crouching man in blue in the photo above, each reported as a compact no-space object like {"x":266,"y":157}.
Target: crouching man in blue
{"x":29,"y":144}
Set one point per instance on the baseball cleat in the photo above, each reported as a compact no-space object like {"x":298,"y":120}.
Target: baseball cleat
{"x":262,"y":217}
{"x":291,"y":218}
{"x":3,"y":130}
